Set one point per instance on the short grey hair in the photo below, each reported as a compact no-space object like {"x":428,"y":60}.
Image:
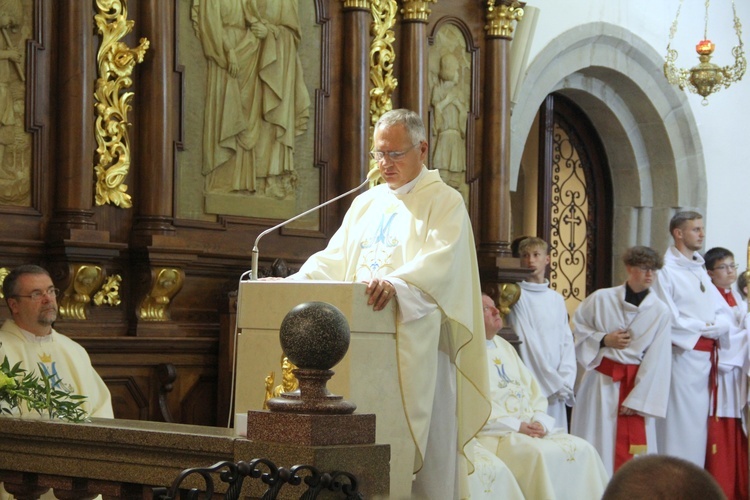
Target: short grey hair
{"x":406,"y":117}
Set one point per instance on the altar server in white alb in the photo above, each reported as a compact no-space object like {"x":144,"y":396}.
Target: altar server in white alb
{"x":547,"y":462}
{"x":726,"y":452}
{"x":540,"y":320}
{"x":698,"y":330}
{"x":410,"y":239}
{"x":622,"y":339}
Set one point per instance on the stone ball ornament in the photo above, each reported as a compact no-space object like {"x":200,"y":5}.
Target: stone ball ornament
{"x":315,"y":335}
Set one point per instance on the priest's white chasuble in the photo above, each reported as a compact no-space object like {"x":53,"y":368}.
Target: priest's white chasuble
{"x":63,"y":360}
{"x":423,"y":241}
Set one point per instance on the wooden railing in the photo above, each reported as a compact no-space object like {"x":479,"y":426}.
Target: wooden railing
{"x":127,"y":458}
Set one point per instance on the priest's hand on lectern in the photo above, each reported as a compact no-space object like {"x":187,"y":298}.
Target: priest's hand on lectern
{"x":380,"y":292}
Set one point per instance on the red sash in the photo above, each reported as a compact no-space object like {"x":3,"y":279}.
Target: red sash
{"x":631,"y":429}
{"x":709,"y":345}
{"x":726,"y":456}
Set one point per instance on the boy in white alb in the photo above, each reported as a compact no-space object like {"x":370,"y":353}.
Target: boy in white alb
{"x":622,"y":337}
{"x":540,"y":320}
{"x":726,"y":451}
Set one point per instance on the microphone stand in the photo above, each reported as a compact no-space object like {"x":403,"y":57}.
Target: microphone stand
{"x":254,"y":271}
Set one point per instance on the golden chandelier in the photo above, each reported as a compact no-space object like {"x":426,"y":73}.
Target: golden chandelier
{"x":705,"y":78}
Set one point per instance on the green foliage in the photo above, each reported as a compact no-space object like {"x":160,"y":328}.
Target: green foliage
{"x":21,"y":390}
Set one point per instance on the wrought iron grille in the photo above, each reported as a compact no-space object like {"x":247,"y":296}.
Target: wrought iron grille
{"x":233,"y":475}
{"x":569,"y":245}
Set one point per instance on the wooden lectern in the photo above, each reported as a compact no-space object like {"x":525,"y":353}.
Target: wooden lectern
{"x":367,"y":376}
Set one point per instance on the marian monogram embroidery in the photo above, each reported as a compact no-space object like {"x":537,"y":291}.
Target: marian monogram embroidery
{"x":504,"y":378}
{"x":51,"y":372}
{"x":378,"y":246}
{"x":382,"y":232}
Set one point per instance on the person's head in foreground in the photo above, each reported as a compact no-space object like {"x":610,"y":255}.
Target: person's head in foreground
{"x":662,"y":477}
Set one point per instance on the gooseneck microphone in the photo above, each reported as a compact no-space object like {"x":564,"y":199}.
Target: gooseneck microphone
{"x":254,"y":269}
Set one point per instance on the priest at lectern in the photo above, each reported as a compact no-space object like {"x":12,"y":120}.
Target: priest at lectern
{"x":410,"y":240}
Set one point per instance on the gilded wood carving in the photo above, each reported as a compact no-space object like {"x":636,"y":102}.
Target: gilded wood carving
{"x":116,"y":62}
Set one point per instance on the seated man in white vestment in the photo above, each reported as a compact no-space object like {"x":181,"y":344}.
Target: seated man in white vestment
{"x":410,"y":240}
{"x":547,"y":462}
{"x":623,"y":342}
{"x":29,"y":338}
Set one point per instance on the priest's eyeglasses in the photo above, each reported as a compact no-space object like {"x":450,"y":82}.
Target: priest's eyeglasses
{"x":37,"y":295}
{"x":392,"y":155}
{"x":726,"y":267}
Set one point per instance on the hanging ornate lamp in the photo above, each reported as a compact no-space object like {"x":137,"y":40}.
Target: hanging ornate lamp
{"x":705,"y":78}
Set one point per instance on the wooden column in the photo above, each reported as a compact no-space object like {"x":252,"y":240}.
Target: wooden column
{"x":355,"y":126}
{"x":495,"y":262}
{"x":72,"y":119}
{"x":155,"y":106}
{"x":412,"y":80}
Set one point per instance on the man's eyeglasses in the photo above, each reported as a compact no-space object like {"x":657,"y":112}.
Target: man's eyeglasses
{"x":37,"y":295}
{"x":392,"y":155}
{"x":726,"y":267}
{"x":646,"y":269}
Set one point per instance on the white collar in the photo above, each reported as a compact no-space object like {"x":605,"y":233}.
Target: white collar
{"x":406,"y":188}
{"x":35,"y":338}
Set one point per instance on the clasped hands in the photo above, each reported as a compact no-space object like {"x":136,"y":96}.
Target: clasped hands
{"x":534,"y":429}
{"x":618,"y":339}
{"x":380,"y":292}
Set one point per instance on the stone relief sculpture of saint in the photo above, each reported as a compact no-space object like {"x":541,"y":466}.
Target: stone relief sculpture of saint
{"x":450,"y":112}
{"x":256,"y":100}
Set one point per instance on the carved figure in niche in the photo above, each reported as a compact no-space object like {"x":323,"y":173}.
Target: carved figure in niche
{"x":256,"y":100}
{"x":450,"y":97}
{"x":14,"y":143}
{"x":450,"y":108}
{"x":286,"y":102}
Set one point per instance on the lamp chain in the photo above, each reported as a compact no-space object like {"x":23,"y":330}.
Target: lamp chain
{"x":673,"y":29}
{"x":705,"y":26}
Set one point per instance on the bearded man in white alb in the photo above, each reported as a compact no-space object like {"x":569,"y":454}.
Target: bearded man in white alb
{"x":547,"y":462}
{"x":410,"y":239}
{"x":623,"y":343}
{"x":698,"y":330}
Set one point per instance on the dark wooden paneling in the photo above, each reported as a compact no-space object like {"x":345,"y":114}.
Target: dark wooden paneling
{"x":63,"y":226}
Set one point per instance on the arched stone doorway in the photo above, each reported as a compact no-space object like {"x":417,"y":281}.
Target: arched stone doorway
{"x":646,"y":125}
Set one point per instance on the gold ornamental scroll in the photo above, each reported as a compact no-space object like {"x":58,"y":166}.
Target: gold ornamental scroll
{"x":116,"y":62}
{"x":382,"y":58}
